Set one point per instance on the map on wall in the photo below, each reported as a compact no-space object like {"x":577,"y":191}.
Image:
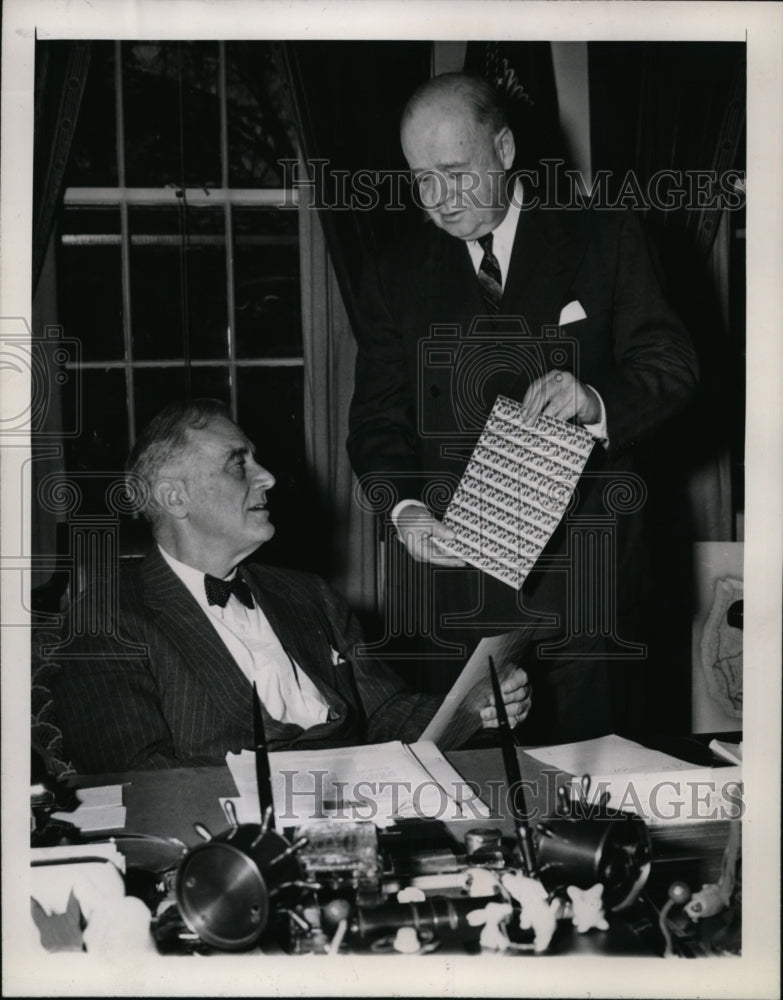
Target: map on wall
{"x":721,"y":648}
{"x":717,"y":661}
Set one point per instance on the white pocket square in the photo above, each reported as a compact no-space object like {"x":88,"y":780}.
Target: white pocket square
{"x":571,"y":313}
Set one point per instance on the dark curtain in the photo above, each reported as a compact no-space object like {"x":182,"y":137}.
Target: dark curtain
{"x":668,"y":105}
{"x":60,"y":74}
{"x":523,"y":73}
{"x":349,"y":97}
{"x":681,"y":106}
{"x":672,"y":106}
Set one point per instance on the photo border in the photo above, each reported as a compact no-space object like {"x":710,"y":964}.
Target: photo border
{"x":756,"y":972}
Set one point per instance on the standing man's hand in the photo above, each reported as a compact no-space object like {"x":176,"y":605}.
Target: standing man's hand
{"x":420,"y":531}
{"x":561,"y":395}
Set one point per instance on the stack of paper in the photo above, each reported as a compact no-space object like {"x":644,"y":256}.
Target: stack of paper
{"x":380,"y":783}
{"x":68,"y":854}
{"x":654,"y":785}
{"x":732,"y":752}
{"x":78,"y":902}
{"x":458,"y":716}
{"x":100,"y":809}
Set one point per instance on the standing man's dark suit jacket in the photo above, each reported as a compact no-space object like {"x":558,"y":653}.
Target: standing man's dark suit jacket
{"x":413,"y":423}
{"x":181,"y":698}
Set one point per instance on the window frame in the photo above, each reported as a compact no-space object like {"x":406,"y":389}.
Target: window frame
{"x":124,"y":198}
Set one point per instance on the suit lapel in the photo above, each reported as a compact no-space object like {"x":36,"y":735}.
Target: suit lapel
{"x":307,"y":637}
{"x":458,"y":291}
{"x":276,"y":603}
{"x":445,"y":288}
{"x":548,"y":247}
{"x":185,"y":626}
{"x":183,"y":622}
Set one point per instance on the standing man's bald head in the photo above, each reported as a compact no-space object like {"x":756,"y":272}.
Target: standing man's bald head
{"x":458,"y":144}
{"x":471,"y":94}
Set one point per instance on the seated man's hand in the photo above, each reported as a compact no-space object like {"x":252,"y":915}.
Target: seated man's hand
{"x":562,"y":396}
{"x":420,"y":532}
{"x":517,"y":698}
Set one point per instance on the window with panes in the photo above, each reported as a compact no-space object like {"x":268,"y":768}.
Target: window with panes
{"x":177,"y":262}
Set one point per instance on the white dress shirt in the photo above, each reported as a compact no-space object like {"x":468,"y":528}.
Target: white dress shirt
{"x":286,"y":691}
{"x":502,"y":237}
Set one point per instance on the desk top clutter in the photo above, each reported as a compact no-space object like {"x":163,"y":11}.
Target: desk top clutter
{"x":413,"y":884}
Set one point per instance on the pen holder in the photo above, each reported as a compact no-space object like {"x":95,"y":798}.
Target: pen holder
{"x":613,"y":849}
{"x":228,"y":887}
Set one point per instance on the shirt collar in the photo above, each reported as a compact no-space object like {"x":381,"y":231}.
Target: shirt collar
{"x":504,"y":233}
{"x":192,"y":578}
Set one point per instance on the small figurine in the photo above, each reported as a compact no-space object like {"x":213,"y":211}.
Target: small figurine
{"x":121,"y":926}
{"x":492,"y":917}
{"x":714,"y":897}
{"x":708,"y":901}
{"x":480,"y":882}
{"x":98,"y":914}
{"x":537,"y":914}
{"x":406,"y":941}
{"x":59,"y":931}
{"x":410,"y":894}
{"x":587,"y":909}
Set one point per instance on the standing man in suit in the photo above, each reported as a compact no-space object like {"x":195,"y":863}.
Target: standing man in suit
{"x":170,"y":682}
{"x":559,"y":308}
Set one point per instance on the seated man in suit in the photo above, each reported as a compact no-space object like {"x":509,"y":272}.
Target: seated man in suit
{"x":196,"y":625}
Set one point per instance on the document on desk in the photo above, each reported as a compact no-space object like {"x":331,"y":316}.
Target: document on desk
{"x":100,"y":809}
{"x":66,"y":854}
{"x":457,"y":717}
{"x":658,"y":787}
{"x":380,"y":782}
{"x":515,"y":490}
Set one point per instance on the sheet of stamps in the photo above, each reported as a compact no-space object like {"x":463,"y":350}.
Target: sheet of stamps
{"x":515,"y":491}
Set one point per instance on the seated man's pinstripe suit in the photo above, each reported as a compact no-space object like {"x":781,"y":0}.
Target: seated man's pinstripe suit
{"x":182,"y":699}
{"x":164,"y":683}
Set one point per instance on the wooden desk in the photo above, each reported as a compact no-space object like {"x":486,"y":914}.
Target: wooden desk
{"x":169,"y":802}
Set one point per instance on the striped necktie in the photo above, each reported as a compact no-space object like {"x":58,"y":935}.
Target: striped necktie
{"x":489,"y":274}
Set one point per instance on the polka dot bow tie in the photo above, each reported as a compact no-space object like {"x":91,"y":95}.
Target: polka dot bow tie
{"x":218,"y":591}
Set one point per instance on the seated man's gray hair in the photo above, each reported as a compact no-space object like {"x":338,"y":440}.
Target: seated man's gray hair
{"x":163,"y":439}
